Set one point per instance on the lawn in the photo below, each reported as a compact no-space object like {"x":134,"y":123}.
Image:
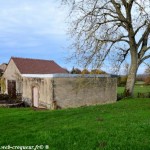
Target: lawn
{"x":137,"y":88}
{"x":119,"y":126}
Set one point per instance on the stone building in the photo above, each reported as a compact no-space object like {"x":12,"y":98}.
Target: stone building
{"x":17,"y":67}
{"x":2,"y":68}
{"x":65,"y":90}
{"x":45,"y":84}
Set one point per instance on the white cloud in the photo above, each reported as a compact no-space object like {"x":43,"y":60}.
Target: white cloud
{"x":22,"y":19}
{"x":36,"y":15}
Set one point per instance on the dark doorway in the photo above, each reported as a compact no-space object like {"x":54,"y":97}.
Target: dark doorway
{"x":12,"y":88}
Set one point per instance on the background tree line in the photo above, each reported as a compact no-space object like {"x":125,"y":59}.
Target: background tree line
{"x":86,"y":71}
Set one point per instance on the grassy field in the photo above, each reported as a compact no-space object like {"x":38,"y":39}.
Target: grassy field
{"x":124,"y":125}
{"x":138,"y":88}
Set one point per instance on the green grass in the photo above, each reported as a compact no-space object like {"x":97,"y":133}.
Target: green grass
{"x":137,"y":88}
{"x":124,"y":125}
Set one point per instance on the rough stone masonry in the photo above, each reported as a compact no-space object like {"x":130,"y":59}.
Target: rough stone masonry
{"x":58,"y":91}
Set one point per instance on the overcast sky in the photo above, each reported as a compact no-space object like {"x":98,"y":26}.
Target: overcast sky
{"x":34,"y":29}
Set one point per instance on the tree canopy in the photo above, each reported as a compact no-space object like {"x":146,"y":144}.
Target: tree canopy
{"x":104,"y":29}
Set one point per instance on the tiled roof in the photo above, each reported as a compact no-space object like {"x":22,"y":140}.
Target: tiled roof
{"x":37,"y":66}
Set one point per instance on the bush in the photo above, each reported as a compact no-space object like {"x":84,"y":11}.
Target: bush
{"x":2,"y":85}
{"x":85,"y":71}
{"x":122,"y":80}
{"x":75,"y":71}
{"x":97,"y":71}
{"x":147,"y":80}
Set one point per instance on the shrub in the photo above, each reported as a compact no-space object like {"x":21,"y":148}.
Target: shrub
{"x":85,"y":71}
{"x":122,"y":80}
{"x":147,"y":80}
{"x":97,"y":71}
{"x":75,"y":71}
{"x":2,"y":85}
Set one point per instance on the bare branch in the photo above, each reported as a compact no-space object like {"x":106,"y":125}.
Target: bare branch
{"x":145,"y":35}
{"x":144,"y":58}
{"x":99,"y":25}
{"x":137,"y":30}
{"x":118,"y":10}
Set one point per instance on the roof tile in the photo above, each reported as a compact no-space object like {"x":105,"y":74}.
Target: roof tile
{"x":37,"y":66}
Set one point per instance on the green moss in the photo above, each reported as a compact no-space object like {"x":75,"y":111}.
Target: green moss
{"x":3,"y":85}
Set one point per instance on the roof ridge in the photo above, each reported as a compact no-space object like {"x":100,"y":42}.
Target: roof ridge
{"x":31,"y":59}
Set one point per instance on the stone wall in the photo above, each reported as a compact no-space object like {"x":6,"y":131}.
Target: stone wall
{"x":44,"y":91}
{"x":12,"y":73}
{"x":70,"y":92}
{"x":75,"y":92}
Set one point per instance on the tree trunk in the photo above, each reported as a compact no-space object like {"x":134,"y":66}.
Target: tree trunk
{"x":131,"y":76}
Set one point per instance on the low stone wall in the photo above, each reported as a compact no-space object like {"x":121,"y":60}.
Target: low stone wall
{"x":67,"y":92}
{"x":7,"y":105}
{"x":75,"y":92}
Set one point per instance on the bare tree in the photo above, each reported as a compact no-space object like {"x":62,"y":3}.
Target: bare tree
{"x":147,"y":70}
{"x":126,"y":69}
{"x":103,"y":27}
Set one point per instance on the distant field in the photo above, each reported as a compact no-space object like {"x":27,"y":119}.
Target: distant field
{"x":139,"y":83}
{"x":124,"y":125}
{"x":138,"y":88}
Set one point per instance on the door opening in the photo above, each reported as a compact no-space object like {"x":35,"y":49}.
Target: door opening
{"x":12,"y":88}
{"x":35,"y":97}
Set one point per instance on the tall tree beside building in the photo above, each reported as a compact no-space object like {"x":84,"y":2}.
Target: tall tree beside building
{"x":103,"y":27}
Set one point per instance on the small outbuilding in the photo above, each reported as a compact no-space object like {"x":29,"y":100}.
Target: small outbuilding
{"x":44,"y":84}
{"x":17,"y":67}
{"x":65,"y":90}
